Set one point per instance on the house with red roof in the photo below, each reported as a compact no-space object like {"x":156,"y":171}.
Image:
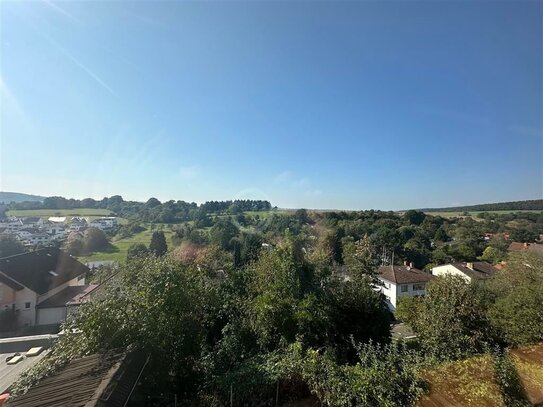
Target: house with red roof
{"x":402,"y":281}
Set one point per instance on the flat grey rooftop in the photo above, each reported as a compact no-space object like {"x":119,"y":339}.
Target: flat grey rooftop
{"x":10,"y":373}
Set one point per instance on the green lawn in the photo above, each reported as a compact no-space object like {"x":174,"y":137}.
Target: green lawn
{"x":45,"y":213}
{"x":120,"y":246}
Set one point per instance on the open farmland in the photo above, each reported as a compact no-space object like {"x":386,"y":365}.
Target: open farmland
{"x":459,"y":214}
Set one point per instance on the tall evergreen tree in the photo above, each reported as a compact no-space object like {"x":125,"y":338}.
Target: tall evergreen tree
{"x":158,"y":244}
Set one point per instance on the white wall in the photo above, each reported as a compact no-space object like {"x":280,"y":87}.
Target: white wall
{"x":25,"y":316}
{"x":448,"y":269}
{"x":389,"y":290}
{"x":47,"y":316}
{"x":394,"y":291}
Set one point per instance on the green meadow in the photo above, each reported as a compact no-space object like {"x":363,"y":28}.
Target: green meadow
{"x":119,"y":247}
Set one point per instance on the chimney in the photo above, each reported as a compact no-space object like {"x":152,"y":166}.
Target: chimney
{"x":469,"y":265}
{"x":411,"y":264}
{"x":405,"y":262}
{"x":525,"y":244}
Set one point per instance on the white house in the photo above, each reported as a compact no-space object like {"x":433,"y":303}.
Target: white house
{"x":402,"y":281}
{"x":56,"y":230}
{"x":479,"y":270}
{"x":41,"y":286}
{"x":33,"y":221}
{"x":103,"y":223}
{"x":78,"y":224}
{"x":33,"y":236}
{"x":12,"y":224}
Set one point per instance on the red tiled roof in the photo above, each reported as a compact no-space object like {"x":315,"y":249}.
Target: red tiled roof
{"x":518,"y":247}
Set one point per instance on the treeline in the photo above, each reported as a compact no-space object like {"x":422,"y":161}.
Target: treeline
{"x":414,"y":236}
{"x":151,"y":211}
{"x":534,"y":204}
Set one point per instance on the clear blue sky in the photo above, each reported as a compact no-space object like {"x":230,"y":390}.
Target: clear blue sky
{"x":353,"y":105}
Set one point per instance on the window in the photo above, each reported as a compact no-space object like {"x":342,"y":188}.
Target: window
{"x":27,"y":305}
{"x":405,"y":288}
{"x":418,"y":287}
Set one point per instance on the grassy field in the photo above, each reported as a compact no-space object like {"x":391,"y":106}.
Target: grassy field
{"x":120,"y":246}
{"x":472,"y":382}
{"x":45,"y":213}
{"x":261,"y":214}
{"x":475,"y":213}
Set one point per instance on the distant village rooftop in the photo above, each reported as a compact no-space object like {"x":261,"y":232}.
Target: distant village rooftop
{"x":519,"y":247}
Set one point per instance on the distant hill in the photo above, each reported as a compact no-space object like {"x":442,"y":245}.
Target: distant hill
{"x":7,"y":197}
{"x":535,"y":204}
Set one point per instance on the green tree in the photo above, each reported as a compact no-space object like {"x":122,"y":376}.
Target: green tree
{"x":359,"y":313}
{"x":302,"y":216}
{"x":492,"y":255}
{"x":9,"y":246}
{"x":451,"y":319}
{"x":94,"y":239}
{"x":331,"y":242}
{"x":152,"y":203}
{"x":414,"y":217}
{"x":235,"y":244}
{"x":137,"y":250}
{"x":407,"y":309}
{"x":74,"y":245}
{"x":382,"y":376}
{"x":361,"y":259}
{"x":158,"y":245}
{"x":517,"y":313}
{"x":441,"y":235}
{"x":222,"y":232}
{"x":251,"y":244}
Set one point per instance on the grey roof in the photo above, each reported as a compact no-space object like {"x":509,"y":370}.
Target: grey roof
{"x":105,"y":379}
{"x":478,"y":270}
{"x":403,"y":274}
{"x":71,"y":295}
{"x":31,"y":220}
{"x":41,"y":270}
{"x":10,"y":373}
